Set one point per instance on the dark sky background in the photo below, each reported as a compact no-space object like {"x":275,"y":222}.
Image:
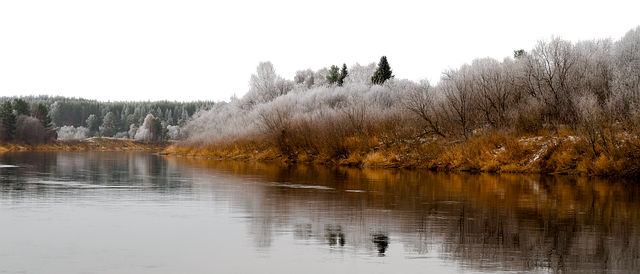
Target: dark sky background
{"x":201,"y":57}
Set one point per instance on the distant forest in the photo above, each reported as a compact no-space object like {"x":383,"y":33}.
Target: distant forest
{"x":36,"y":119}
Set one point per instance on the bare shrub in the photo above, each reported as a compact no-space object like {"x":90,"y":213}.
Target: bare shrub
{"x":29,"y":130}
{"x":527,"y":116}
{"x":422,"y":101}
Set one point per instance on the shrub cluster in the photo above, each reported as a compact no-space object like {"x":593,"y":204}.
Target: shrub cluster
{"x":24,"y":122}
{"x":560,"y":107}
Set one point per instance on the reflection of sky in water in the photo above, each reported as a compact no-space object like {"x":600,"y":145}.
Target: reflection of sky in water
{"x":135,"y":212}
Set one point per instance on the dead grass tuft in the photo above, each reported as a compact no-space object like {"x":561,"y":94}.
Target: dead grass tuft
{"x":560,"y":152}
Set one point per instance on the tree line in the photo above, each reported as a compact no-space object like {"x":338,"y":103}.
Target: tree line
{"x":77,"y":118}
{"x":590,"y":87}
{"x":25,"y":122}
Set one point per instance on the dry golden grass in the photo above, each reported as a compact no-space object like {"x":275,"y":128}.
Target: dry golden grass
{"x":561,"y":152}
{"x":88,"y":144}
{"x":375,"y":158}
{"x":353,"y":159}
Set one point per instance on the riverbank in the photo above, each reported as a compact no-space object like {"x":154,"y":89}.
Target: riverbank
{"x":562,"y":152}
{"x":106,"y":144}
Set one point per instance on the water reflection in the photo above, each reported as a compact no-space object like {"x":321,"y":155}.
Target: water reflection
{"x":382,"y":243}
{"x":334,"y":235}
{"x":485,"y":222}
{"x":43,"y":173}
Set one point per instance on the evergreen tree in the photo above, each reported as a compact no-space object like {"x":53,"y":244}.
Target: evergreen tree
{"x":108,"y":124}
{"x":21,"y":107}
{"x":41,"y":112}
{"x":169,"y":117}
{"x":383,"y":73}
{"x":93,"y":123}
{"x":336,"y":75}
{"x":159,"y":129}
{"x":8,"y":121}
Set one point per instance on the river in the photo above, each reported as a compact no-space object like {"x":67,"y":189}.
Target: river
{"x":135,"y":212}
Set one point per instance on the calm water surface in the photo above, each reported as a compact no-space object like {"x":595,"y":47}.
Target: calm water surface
{"x":124,"y":212}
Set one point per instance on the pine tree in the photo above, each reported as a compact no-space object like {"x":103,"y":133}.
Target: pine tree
{"x":383,"y":73}
{"x":336,"y":75}
{"x":8,"y":121}
{"x":21,"y":107}
{"x":343,"y":73}
{"x":108,"y":124}
{"x":42,"y":113}
{"x":93,"y":123}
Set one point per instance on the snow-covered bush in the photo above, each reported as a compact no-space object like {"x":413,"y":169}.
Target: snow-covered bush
{"x":72,"y":133}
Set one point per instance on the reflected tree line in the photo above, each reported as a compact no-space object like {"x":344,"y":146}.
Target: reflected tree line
{"x":483,"y":221}
{"x":47,"y":172}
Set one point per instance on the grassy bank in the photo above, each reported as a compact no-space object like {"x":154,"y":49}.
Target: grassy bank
{"x":88,"y":144}
{"x":559,"y":153}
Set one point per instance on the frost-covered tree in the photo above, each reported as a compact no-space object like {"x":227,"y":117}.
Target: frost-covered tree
{"x":169,"y":117}
{"x":494,"y":92}
{"x":151,"y":130}
{"x":595,"y":69}
{"x":552,"y":77}
{"x":70,"y":132}
{"x":383,"y":73}
{"x":108,"y":124}
{"x":422,"y":100}
{"x":626,"y":71}
{"x":262,"y":85}
{"x":184,"y":117}
{"x":359,"y":74}
{"x":29,"y":130}
{"x":304,"y":78}
{"x":133,"y":129}
{"x":173,"y":132}
{"x":458,"y":89}
{"x":93,"y":124}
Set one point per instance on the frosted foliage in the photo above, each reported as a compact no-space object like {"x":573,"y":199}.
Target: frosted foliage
{"x":145,"y":133}
{"x":557,"y":82}
{"x":133,"y":129}
{"x":589,"y":109}
{"x":174,"y":132}
{"x":121,"y":135}
{"x":360,"y":74}
{"x":265,"y":85}
{"x":627,"y":67}
{"x":305,"y":78}
{"x":73,"y":133}
{"x":382,"y":96}
{"x":227,"y":122}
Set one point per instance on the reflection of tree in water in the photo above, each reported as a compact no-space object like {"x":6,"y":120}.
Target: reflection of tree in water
{"x":334,"y":235}
{"x":488,"y":222}
{"x":382,"y":243}
{"x":95,"y":168}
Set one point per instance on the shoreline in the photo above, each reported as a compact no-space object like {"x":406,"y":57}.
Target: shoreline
{"x":494,"y":153}
{"x":89,"y":144}
{"x":563,"y":153}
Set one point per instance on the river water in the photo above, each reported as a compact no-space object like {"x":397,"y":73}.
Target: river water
{"x":135,"y":212}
